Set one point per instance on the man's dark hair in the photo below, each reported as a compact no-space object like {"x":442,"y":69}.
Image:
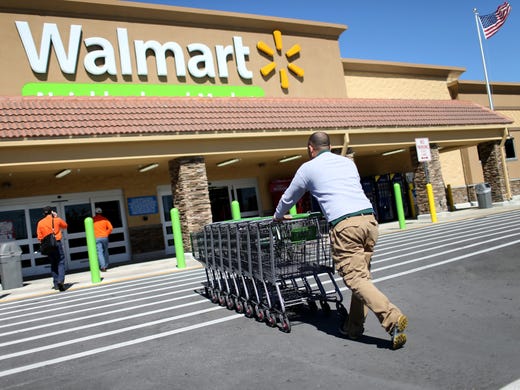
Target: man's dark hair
{"x":47,"y":210}
{"x":319,"y":140}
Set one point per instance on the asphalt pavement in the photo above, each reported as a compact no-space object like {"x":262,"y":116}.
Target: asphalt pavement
{"x":456,"y":281}
{"x":35,"y":287}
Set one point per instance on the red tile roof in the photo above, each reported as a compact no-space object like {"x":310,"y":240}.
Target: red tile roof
{"x":33,"y":117}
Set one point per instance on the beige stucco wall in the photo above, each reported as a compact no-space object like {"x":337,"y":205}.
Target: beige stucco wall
{"x":513,"y":165}
{"x":391,"y":86}
{"x":452,"y":171}
{"x":472,"y":166}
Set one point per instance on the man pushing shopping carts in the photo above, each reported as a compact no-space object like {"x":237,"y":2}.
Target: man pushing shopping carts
{"x":334,"y":182}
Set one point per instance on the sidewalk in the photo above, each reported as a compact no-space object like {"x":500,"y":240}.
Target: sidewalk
{"x":117,"y":273}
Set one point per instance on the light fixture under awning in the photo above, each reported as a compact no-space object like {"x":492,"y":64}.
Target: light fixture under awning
{"x":148,"y":167}
{"x":290,"y":158}
{"x":228,"y":162}
{"x":63,"y":173}
{"x":392,"y":152}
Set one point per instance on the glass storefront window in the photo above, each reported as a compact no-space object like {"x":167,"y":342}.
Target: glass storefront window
{"x":12,"y":225}
{"x":112,"y":211}
{"x":247,"y":199}
{"x":167,"y":203}
{"x":75,"y":217}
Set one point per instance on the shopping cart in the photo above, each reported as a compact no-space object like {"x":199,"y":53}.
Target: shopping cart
{"x":294,"y":256}
{"x":263,"y":267}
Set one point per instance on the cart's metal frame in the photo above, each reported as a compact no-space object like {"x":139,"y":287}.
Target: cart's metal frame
{"x":261,"y":267}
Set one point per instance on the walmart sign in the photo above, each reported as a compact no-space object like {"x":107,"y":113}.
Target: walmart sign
{"x":100,"y":58}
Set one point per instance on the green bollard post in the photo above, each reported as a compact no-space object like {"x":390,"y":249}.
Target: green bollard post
{"x":235,"y":210}
{"x":293,"y":210}
{"x":399,"y":204}
{"x":177,"y":238}
{"x":93,"y":261}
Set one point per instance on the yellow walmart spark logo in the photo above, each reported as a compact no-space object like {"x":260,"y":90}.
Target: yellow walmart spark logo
{"x":291,"y":55}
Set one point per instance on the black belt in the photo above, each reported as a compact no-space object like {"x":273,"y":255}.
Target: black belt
{"x":355,"y":214}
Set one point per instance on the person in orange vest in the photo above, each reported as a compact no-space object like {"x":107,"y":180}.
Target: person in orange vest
{"x":102,"y":229}
{"x":49,"y":223}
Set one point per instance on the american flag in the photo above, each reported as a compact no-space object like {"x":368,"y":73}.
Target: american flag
{"x":491,"y":23}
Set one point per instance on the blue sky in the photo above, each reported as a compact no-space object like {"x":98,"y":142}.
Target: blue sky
{"x":441,"y":32}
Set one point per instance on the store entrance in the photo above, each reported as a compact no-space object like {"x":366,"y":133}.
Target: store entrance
{"x":222,"y":193}
{"x":23,"y":214}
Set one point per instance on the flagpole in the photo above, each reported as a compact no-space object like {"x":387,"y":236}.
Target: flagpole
{"x":483,"y":60}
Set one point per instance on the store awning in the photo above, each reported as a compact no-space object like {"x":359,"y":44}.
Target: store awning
{"x":43,"y":117}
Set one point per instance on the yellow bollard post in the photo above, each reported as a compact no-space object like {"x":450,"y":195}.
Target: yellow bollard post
{"x":431,"y":202}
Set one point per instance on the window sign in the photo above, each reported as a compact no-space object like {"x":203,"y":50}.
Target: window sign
{"x":142,"y":205}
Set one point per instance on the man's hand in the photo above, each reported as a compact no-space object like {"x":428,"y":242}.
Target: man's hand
{"x":284,"y":218}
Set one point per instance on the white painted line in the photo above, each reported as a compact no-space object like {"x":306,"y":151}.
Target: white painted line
{"x":95,"y":324}
{"x":113,"y":286}
{"x":95,"y":351}
{"x":161,"y":287}
{"x":109,"y":333}
{"x":446,"y":261}
{"x":441,"y":230}
{"x":480,"y":243}
{"x":98,"y":314}
{"x":446,"y":241}
{"x":512,"y":386}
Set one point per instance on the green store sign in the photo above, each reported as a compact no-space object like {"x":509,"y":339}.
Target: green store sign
{"x":95,"y":89}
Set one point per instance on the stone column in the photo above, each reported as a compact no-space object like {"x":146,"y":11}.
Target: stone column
{"x":492,"y":167}
{"x":190,"y":195}
{"x":436,"y":180}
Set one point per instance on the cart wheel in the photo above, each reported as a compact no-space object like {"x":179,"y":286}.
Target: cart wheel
{"x":325,"y":307}
{"x":248,"y":310}
{"x":221,"y":299}
{"x":270,"y":319}
{"x":239,"y":307}
{"x":285,"y":324}
{"x":313,"y":307}
{"x":214,"y":296}
{"x":342,"y":311}
{"x":230,"y":304}
{"x":259,"y":313}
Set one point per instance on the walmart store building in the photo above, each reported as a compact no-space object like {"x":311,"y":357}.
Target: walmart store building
{"x":136,"y":108}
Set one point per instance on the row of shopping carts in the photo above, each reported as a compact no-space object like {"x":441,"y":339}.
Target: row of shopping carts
{"x":261,"y":267}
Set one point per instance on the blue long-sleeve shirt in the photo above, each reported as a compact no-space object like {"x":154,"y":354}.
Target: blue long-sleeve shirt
{"x":335,"y":183}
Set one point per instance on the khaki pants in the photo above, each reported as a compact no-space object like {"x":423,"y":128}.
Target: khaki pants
{"x":353,"y":242}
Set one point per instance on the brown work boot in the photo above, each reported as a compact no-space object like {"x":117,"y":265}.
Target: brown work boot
{"x":398,"y":337}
